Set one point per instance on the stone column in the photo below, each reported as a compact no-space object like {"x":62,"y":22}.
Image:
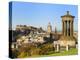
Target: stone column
{"x":71,"y":28}
{"x":76,"y":45}
{"x":67,"y":27}
{"x":64,"y":28}
{"x":57,"y":48}
{"x":67,"y":47}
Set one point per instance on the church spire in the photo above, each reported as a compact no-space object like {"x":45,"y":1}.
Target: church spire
{"x":49,"y":28}
{"x":55,"y":30}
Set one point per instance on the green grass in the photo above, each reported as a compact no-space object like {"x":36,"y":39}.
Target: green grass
{"x":62,"y":53}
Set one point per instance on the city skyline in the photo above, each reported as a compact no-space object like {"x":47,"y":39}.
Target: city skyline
{"x":40,"y":14}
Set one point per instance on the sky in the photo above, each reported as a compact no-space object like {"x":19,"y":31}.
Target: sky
{"x":40,"y":14}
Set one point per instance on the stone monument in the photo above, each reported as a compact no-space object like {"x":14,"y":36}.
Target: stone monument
{"x":67,"y":37}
